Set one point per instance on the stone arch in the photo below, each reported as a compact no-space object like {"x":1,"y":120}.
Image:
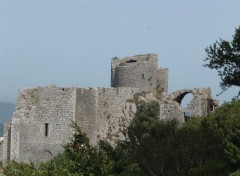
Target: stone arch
{"x":47,"y":154}
{"x":201,"y":104}
{"x":179,"y":95}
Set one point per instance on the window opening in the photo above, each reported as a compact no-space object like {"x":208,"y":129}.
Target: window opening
{"x":212,"y":108}
{"x":131,"y":61}
{"x":184,"y":101}
{"x":46,"y":129}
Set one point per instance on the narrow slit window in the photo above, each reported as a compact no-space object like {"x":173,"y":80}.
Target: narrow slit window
{"x":46,"y":129}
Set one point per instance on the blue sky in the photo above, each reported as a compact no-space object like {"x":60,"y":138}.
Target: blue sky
{"x":71,"y":42}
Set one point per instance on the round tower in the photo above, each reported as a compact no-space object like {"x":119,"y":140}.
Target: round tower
{"x":139,"y":71}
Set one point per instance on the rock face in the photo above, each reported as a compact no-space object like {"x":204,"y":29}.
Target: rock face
{"x":41,"y":122}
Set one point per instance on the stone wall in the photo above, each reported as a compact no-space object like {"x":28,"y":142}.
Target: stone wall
{"x":100,"y":112}
{"x":114,"y":112}
{"x":6,"y":142}
{"x":86,"y":111}
{"x":1,"y":149}
{"x":41,"y":123}
{"x":171,"y":110}
{"x":137,"y":71}
{"x":162,"y":80}
{"x":201,"y":104}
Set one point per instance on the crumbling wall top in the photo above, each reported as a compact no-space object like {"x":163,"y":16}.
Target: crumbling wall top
{"x":134,"y":59}
{"x":203,"y":93}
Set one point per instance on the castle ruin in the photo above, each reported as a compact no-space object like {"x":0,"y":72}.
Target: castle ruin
{"x":41,"y":122}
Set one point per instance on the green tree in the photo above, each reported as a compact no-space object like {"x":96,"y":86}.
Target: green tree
{"x":236,"y":173}
{"x":83,"y":158}
{"x":171,"y":148}
{"x":203,"y":148}
{"x":103,"y":159}
{"x":123,"y":164}
{"x":226,"y":120}
{"x":79,"y":159}
{"x":224,"y":56}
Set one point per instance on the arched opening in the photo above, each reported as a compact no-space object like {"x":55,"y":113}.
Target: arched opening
{"x":185,"y":105}
{"x":47,"y":155}
{"x":211,"y":106}
{"x":184,"y":100}
{"x":181,"y":97}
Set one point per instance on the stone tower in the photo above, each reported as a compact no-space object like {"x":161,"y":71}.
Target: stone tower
{"x":140,"y":71}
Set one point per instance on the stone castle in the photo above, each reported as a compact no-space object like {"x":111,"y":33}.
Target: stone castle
{"x":41,"y":122}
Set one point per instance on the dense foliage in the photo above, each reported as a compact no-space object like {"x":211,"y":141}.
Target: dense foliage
{"x":224,"y":56}
{"x":170,"y":148}
{"x":201,"y":146}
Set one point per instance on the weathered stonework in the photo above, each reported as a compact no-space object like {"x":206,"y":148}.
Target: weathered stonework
{"x":37,"y":108}
{"x":140,"y":72}
{"x":201,"y":104}
{"x":41,"y":122}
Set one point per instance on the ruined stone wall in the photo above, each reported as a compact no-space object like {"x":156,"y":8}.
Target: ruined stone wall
{"x":101,"y":112}
{"x":114,"y":112}
{"x":170,"y":110}
{"x":6,"y":143}
{"x":15,"y":138}
{"x":1,"y":149}
{"x":162,"y":81}
{"x":86,"y":111}
{"x":201,"y":104}
{"x":37,"y":108}
{"x":138,"y":72}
